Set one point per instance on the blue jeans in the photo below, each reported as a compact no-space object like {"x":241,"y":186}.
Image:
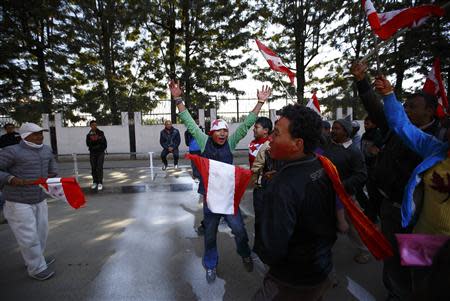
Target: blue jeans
{"x":211,"y":222}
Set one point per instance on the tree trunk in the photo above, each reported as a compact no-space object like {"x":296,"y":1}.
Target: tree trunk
{"x":187,"y":56}
{"x":172,"y":58}
{"x":299,"y":27}
{"x":43,"y":81}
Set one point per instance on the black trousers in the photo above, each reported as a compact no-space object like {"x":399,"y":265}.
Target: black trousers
{"x":195,"y":172}
{"x":165,"y":152}
{"x":97,"y":160}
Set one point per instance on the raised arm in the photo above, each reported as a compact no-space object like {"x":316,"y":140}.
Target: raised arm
{"x":417,"y":140}
{"x":243,"y":128}
{"x":186,"y":118}
{"x":370,"y":100}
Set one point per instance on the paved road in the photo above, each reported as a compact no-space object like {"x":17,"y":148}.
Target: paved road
{"x":143,"y":246}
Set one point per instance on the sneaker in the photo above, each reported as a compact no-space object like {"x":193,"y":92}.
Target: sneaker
{"x":248,"y":263}
{"x":210,"y":275}
{"x":201,"y":230}
{"x":44,"y":275}
{"x":164,"y":167}
{"x":49,"y":260}
{"x":176,"y":166}
{"x":100,"y":187}
{"x":94,"y":186}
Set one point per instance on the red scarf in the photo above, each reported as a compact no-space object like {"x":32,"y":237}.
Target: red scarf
{"x":253,"y":149}
{"x":375,"y":241}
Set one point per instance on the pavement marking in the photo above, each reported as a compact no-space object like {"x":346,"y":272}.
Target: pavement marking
{"x":358,"y":291}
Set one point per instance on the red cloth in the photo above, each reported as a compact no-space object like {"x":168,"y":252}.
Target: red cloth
{"x":253,"y":149}
{"x":375,"y":241}
{"x":435,"y":86}
{"x":65,"y":189}
{"x":275,"y":62}
{"x":387,"y":24}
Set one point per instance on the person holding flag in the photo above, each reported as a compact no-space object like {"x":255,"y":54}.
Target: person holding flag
{"x":431,"y":214}
{"x":25,"y":208}
{"x":218,"y":146}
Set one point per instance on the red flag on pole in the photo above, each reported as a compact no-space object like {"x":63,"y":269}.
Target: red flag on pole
{"x":275,"y":62}
{"x":224,"y":184}
{"x":313,"y":103}
{"x":435,"y":86}
{"x":386,"y":24}
{"x":65,"y":189}
{"x":375,"y":241}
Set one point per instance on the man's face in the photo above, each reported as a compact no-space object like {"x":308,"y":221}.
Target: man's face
{"x":326,"y":131}
{"x":282,"y":145}
{"x":10,"y":129}
{"x":338,"y":133}
{"x":36,"y":138}
{"x":417,"y":111}
{"x":259,"y":131}
{"x":220,"y":136}
{"x":93,"y":126}
{"x":368,"y":124}
{"x":168,"y":125}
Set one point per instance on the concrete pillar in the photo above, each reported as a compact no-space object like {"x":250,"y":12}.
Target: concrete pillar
{"x":350,"y":112}
{"x":273,"y":115}
{"x":339,"y":113}
{"x":201,"y":117}
{"x":137,"y":119}
{"x":213,"y":114}
{"x":124,"y":117}
{"x":58,"y":121}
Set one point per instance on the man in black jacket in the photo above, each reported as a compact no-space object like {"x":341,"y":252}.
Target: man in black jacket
{"x":97,"y":144}
{"x":11,"y":137}
{"x":298,"y":222}
{"x":170,"y":141}
{"x":394,"y":165}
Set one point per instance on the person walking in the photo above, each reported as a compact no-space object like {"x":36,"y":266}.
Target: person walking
{"x":25,"y":207}
{"x":97,"y":144}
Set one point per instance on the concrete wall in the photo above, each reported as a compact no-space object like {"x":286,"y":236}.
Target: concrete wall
{"x":73,"y":139}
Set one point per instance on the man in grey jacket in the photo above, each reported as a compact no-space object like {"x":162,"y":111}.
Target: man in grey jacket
{"x":25,"y":208}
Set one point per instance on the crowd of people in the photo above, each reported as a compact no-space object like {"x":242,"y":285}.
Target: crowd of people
{"x":397,"y":173}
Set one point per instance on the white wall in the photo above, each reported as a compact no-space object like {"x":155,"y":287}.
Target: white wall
{"x":147,"y":136}
{"x":73,"y":139}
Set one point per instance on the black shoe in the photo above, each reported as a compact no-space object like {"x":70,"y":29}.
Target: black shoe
{"x":210,"y":275}
{"x":248,"y":263}
{"x":164,"y":167}
{"x":44,"y":275}
{"x":201,"y":230}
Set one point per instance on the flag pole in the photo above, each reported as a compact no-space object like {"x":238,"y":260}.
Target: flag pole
{"x":284,"y":87}
{"x":388,"y":41}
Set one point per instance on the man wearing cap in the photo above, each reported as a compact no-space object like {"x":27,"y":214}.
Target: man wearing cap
{"x":97,"y":145}
{"x":25,"y":207}
{"x":169,"y":139}
{"x":10,"y":137}
{"x":219,"y":146}
{"x":350,"y":164}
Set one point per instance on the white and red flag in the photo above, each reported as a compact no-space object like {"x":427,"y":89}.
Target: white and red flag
{"x":314,"y":104}
{"x":275,"y":62}
{"x":435,"y":86}
{"x":386,"y":24}
{"x":64,"y":189}
{"x":224,"y":184}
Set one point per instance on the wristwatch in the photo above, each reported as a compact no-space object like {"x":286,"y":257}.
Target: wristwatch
{"x":178,"y":100}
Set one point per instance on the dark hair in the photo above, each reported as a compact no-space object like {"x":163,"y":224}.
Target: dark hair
{"x":304,"y":123}
{"x":326,"y":124}
{"x":265,"y":122}
{"x":8,"y":124}
{"x":430,"y":100}
{"x":92,"y":121}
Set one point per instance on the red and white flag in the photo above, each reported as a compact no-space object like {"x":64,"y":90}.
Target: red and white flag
{"x":64,"y":189}
{"x":386,"y":24}
{"x":313,"y":103}
{"x":275,"y":62}
{"x":224,"y":184}
{"x":435,"y":86}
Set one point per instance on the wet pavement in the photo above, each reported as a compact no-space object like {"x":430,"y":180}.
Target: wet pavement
{"x":143,"y":246}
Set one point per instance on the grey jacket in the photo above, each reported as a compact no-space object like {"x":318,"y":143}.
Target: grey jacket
{"x":25,"y":162}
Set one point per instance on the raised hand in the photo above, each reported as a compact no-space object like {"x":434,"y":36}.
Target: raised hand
{"x":359,"y":69}
{"x":264,"y":94}
{"x":175,"y":88}
{"x":382,"y":85}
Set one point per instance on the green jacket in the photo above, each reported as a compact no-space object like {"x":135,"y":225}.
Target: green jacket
{"x":201,"y":137}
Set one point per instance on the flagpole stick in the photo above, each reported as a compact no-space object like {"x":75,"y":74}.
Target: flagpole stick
{"x":388,"y":41}
{"x":284,"y":87}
